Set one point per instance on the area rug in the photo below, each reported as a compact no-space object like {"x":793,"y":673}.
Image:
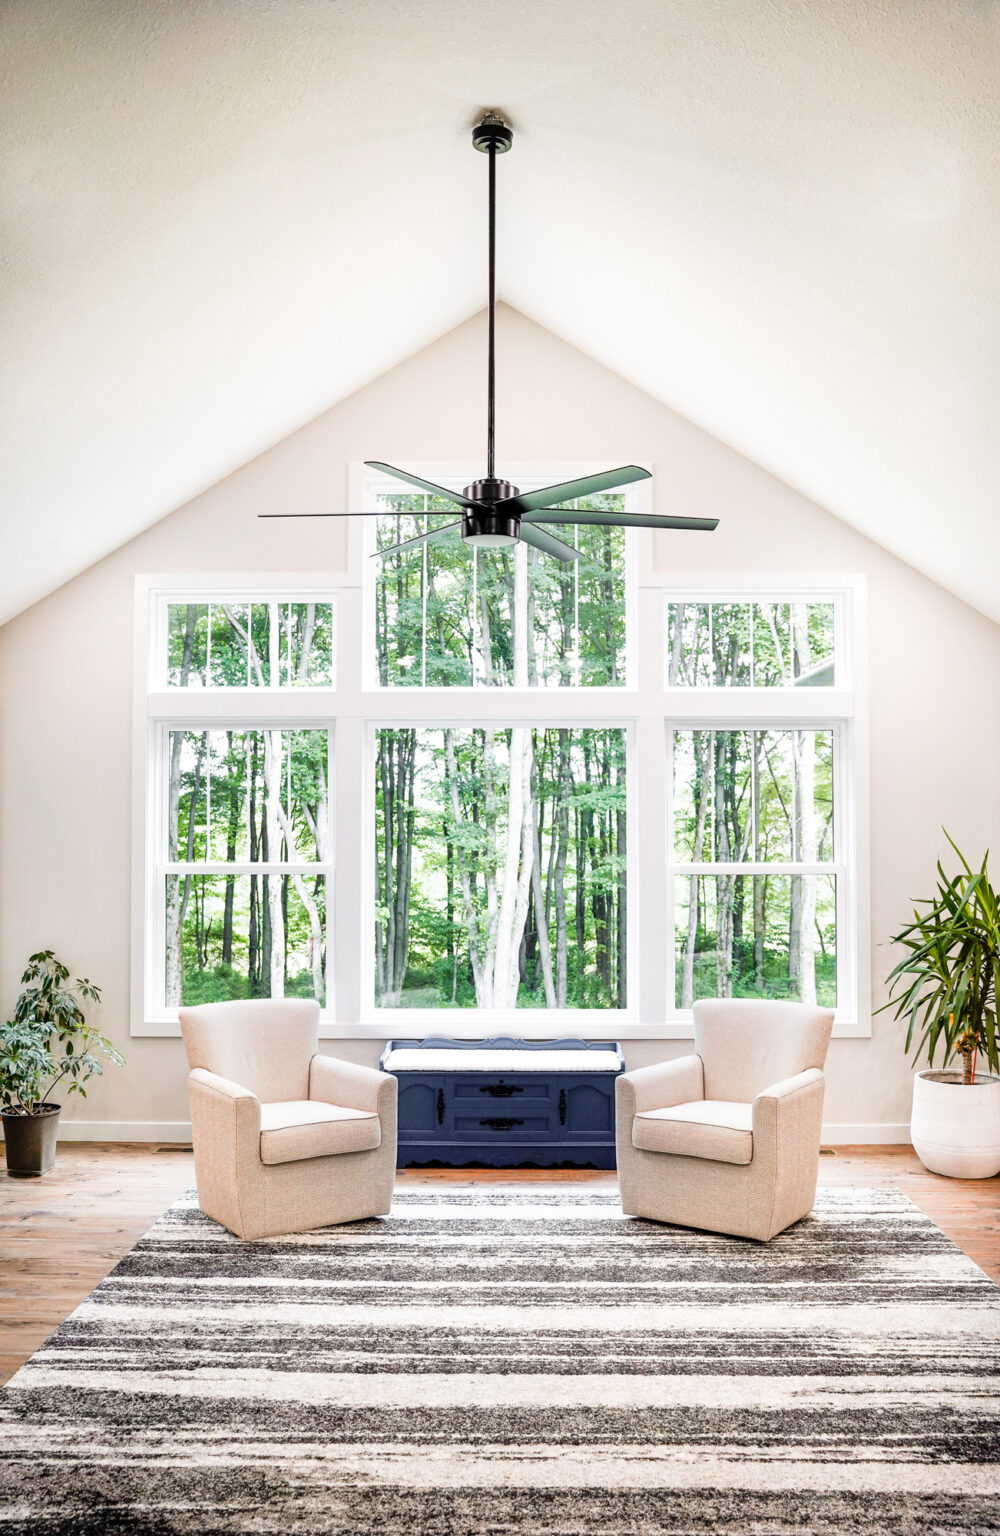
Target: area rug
{"x":500,"y":1362}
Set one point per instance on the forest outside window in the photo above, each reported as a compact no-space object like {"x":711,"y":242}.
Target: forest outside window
{"x":243,"y":642}
{"x":500,"y":864}
{"x":752,"y":643}
{"x":450,"y":616}
{"x":757,"y":884}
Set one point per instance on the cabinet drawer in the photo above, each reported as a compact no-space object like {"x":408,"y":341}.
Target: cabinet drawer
{"x":465,"y":1092}
{"x":512,"y":1127}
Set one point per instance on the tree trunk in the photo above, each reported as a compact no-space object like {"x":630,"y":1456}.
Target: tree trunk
{"x":273,"y":762}
{"x":515,"y":890}
{"x":174,"y":963}
{"x":701,"y":746}
{"x":541,"y":920}
{"x":804,"y":761}
{"x":469,"y":913}
{"x":621,"y":853}
{"x":561,"y":835}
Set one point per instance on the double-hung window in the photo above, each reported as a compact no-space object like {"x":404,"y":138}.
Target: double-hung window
{"x":238,"y":826}
{"x":763,"y":860}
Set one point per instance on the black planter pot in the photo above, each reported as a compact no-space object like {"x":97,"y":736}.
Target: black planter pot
{"x":30,"y":1141}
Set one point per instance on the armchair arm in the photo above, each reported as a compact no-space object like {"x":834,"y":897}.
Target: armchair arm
{"x":225,"y":1130}
{"x":665,"y":1084}
{"x":794,"y":1102}
{"x":222,"y":1108}
{"x":332,"y":1081}
{"x":202,"y":1076}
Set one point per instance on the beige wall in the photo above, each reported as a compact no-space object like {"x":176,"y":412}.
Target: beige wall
{"x":66,"y":677}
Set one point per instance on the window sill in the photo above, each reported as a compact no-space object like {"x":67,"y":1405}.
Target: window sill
{"x":406,"y":1027}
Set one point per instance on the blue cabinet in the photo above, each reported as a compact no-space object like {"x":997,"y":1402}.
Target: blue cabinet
{"x":505,"y":1102}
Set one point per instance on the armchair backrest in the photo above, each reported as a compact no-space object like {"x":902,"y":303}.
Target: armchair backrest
{"x":265,"y":1044}
{"x":746,"y":1044}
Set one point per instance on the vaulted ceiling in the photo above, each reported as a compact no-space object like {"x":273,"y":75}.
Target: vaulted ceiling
{"x":221,"y":217}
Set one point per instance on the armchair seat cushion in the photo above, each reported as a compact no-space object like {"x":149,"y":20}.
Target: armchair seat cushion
{"x":717,"y":1129}
{"x":295,"y":1129}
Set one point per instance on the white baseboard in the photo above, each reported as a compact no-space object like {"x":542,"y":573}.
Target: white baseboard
{"x":125,"y":1130}
{"x":867,"y":1135}
{"x":863,"y":1135}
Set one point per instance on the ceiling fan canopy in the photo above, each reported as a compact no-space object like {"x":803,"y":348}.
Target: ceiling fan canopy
{"x":494,"y":513}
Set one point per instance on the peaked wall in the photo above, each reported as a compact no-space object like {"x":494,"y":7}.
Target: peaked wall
{"x":66,"y":679}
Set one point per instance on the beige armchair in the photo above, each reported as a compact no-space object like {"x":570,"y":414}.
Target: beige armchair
{"x":728,"y":1139}
{"x":284,"y":1139}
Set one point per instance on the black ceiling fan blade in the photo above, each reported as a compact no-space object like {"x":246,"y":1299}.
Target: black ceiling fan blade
{"x":422,"y":538}
{"x":547,"y":544}
{"x":590,"y":485}
{"x":422,"y":485}
{"x":568,"y":516}
{"x":341,"y":514}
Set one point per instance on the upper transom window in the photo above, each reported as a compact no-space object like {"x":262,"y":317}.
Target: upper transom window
{"x":247,"y":642}
{"x":448,"y":616}
{"x":752,"y":643}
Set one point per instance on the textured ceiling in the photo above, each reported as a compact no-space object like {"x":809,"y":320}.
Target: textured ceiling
{"x":221,"y":216}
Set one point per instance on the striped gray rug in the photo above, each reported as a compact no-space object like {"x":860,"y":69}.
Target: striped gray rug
{"x":489,"y":1361}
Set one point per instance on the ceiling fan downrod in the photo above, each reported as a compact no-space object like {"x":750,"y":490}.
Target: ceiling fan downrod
{"x":491,"y":136}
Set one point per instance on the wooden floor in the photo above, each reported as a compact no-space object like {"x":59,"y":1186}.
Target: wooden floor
{"x":61,"y":1234}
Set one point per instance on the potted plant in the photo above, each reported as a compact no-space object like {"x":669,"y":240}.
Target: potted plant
{"x":48,"y":1041}
{"x":946,"y":986}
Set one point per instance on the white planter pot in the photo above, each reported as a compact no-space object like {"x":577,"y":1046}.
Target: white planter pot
{"x":956,"y":1129}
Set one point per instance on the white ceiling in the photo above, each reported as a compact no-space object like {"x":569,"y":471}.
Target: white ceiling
{"x":222,"y":216}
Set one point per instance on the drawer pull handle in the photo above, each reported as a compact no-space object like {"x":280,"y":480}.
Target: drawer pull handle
{"x":562,"y":1106}
{"x":440,"y":1106}
{"x":500,"y":1124}
{"x":501,"y":1090}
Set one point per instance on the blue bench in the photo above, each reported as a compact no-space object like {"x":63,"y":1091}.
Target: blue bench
{"x":505,"y":1102}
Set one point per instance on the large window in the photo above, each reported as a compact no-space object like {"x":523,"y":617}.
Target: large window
{"x":448,"y":791}
{"x":501,"y":879}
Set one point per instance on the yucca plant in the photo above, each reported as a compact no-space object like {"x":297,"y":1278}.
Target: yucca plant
{"x":948,"y":981}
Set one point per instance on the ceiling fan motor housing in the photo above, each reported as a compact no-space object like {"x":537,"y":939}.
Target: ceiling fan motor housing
{"x":488,"y":526}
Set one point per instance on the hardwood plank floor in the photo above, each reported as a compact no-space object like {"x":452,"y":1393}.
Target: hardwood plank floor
{"x":61,"y":1234}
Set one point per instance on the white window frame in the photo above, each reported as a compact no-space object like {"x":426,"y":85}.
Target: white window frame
{"x":842,"y":709}
{"x":352,"y":710}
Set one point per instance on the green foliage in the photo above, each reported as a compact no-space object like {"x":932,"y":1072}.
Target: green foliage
{"x":218,"y":924}
{"x":49,"y":1040}
{"x":249,"y":645}
{"x":442,"y":799}
{"x":750,"y":644}
{"x":947,"y":983}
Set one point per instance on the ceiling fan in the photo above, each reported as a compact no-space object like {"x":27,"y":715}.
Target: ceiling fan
{"x":495,"y":513}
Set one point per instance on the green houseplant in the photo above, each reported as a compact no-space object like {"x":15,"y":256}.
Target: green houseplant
{"x":946,"y":986}
{"x":48,"y":1041}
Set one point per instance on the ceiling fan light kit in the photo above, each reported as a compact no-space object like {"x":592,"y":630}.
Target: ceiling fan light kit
{"x":494,"y":513}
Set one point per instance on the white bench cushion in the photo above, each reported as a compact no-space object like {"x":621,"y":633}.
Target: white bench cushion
{"x":294,"y":1129}
{"x":716,"y":1129}
{"x":441,"y":1059}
